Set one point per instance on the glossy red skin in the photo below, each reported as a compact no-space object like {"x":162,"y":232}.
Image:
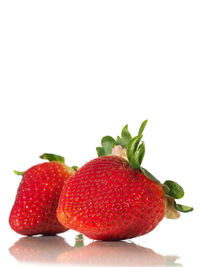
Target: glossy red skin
{"x":107,"y":200}
{"x":34,"y":210}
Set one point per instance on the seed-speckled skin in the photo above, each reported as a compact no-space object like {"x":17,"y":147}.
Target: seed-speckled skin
{"x":34,"y":210}
{"x":107,"y":200}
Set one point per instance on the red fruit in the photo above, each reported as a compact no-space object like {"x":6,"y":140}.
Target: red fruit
{"x":107,"y":200}
{"x":114,"y":198}
{"x":34,"y":210}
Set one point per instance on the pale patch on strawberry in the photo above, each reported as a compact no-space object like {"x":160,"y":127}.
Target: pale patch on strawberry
{"x":120,"y":152}
{"x":70,"y":170}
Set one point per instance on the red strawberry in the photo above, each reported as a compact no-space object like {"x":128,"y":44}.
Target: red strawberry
{"x":34,"y":210}
{"x":114,"y":198}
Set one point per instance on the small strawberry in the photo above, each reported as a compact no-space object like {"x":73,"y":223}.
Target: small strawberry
{"x":34,"y":210}
{"x":113,"y":198}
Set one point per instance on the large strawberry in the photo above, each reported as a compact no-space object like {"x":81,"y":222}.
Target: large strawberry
{"x":112,"y":197}
{"x":34,"y":210}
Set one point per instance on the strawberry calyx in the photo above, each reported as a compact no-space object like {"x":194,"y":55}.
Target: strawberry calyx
{"x":75,"y":168}
{"x":52,"y":157}
{"x":19,"y":173}
{"x":56,"y":158}
{"x":79,"y":241}
{"x":132,"y":149}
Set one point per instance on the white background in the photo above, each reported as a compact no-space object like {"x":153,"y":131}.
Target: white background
{"x":74,"y":71}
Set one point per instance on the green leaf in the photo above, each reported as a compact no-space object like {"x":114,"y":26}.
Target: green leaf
{"x":100,"y":151}
{"x":19,"y":173}
{"x":125,"y":141}
{"x":166,"y":189}
{"x":149,"y":175}
{"x":53,"y":157}
{"x":107,"y":143}
{"x":126,"y":136}
{"x":142,"y":127}
{"x":134,"y":160}
{"x":119,"y":142}
{"x":75,"y":168}
{"x":79,"y":241}
{"x":176,"y":191}
{"x":141,"y":152}
{"x":183,"y":208}
{"x":132,"y":147}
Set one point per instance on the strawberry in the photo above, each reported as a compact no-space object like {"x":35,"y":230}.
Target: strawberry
{"x":34,"y":210}
{"x":113,"y":198}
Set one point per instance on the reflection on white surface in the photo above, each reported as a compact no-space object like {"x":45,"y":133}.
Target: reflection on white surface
{"x":41,"y":249}
{"x":54,"y":249}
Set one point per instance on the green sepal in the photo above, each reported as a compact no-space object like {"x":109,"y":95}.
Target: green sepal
{"x":107,"y":143}
{"x":134,"y":160}
{"x":125,"y":141}
{"x":19,"y":173}
{"x":149,"y":175}
{"x":136,"y":154}
{"x":79,"y":241}
{"x":143,"y":125}
{"x":75,"y":168}
{"x":182,"y":208}
{"x":53,"y":157}
{"x":119,"y":141}
{"x":176,"y":191}
{"x":165,"y":188}
{"x":100,"y":151}
{"x":141,"y":152}
{"x":125,"y":136}
{"x":132,"y":147}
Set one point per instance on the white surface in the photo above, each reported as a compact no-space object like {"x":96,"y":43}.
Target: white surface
{"x":74,"y":71}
